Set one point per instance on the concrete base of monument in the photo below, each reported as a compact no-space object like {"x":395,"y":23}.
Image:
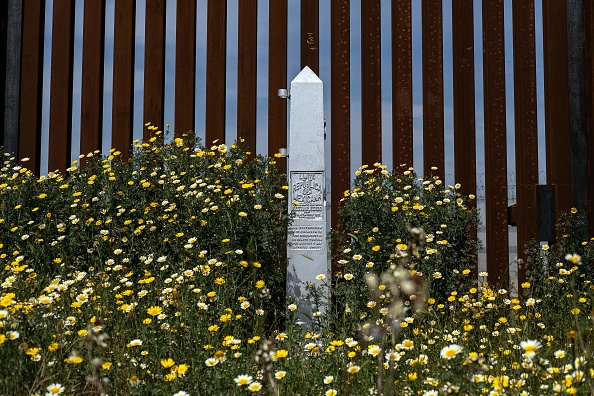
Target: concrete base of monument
{"x":311,"y":297}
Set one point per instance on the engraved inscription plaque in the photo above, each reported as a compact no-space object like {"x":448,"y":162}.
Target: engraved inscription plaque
{"x":306,"y":237}
{"x":307,"y":195}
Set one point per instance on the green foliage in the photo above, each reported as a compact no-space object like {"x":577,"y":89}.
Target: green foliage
{"x":197,"y":232}
{"x":546,"y":261}
{"x":561,"y":273}
{"x":164,"y":276}
{"x":377,"y":218}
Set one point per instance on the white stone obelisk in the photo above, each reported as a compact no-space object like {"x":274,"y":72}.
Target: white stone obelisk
{"x":307,"y":246}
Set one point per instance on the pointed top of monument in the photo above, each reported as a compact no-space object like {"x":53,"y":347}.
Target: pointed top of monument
{"x":306,"y":76}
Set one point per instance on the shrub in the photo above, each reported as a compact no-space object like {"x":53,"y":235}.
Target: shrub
{"x":561,"y":273}
{"x":180,"y":241}
{"x":123,"y":278}
{"x":376,"y":220}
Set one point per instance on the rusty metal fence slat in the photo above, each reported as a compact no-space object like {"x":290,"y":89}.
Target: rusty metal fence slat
{"x":402,"y":100}
{"x":91,"y":119}
{"x":277,"y":78}
{"x":154,"y":65}
{"x":464,"y":96}
{"x":31,"y":93}
{"x":464,"y":100}
{"x":556,"y":102}
{"x":340,"y":109}
{"x":589,"y":38}
{"x":122,"y":113}
{"x":216,"y":73}
{"x":310,"y":35}
{"x":60,"y":124}
{"x":495,"y":141}
{"x":371,"y":90}
{"x":526,"y":130}
{"x":247,"y":72}
{"x":185,"y":67}
{"x":433,"y":112}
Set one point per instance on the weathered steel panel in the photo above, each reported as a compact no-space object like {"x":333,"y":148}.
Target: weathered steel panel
{"x":277,"y":78}
{"x":371,"y":89}
{"x":60,"y":122}
{"x":154,"y":65}
{"x":526,"y":131}
{"x":247,"y":73}
{"x":495,"y":141}
{"x":310,"y":35}
{"x":402,"y":104}
{"x":91,"y":119}
{"x":122,"y":114}
{"x":185,"y":67}
{"x":216,"y":70}
{"x":433,"y":133}
{"x":340,"y":109}
{"x":556,"y":102}
{"x":31,"y":83}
